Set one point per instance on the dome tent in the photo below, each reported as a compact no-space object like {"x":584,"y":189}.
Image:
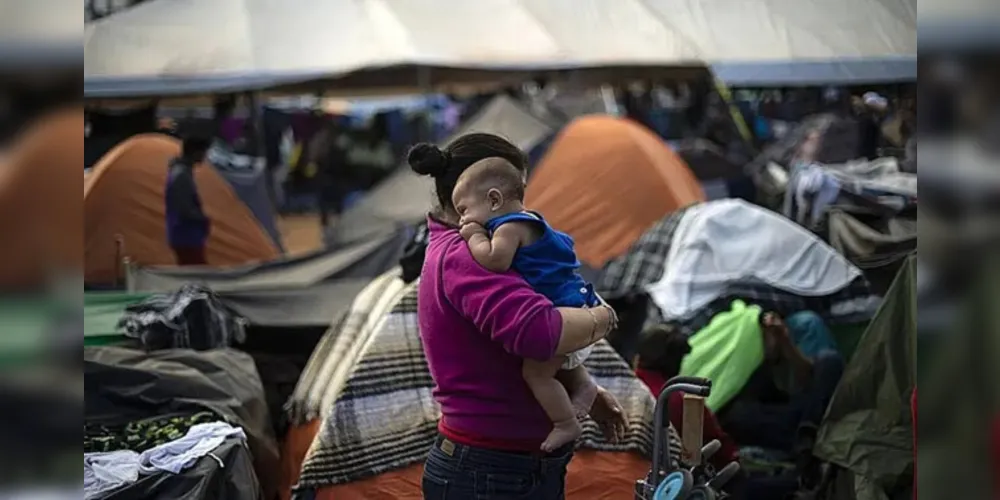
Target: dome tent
{"x":605,"y":181}
{"x":123,"y":197}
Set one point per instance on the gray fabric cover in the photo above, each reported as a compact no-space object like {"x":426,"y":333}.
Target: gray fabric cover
{"x":313,"y":290}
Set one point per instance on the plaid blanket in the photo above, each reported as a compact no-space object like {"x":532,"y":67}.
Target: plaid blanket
{"x":385,"y":418}
{"x":642,"y":264}
{"x":338,"y":351}
{"x":190,"y":318}
{"x":853,"y":304}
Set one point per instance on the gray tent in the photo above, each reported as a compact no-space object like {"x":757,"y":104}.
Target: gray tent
{"x":248,"y":177}
{"x":308,"y":291}
{"x":405,"y":198}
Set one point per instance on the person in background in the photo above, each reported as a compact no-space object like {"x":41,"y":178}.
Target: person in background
{"x":370,"y":155}
{"x":661,"y":351}
{"x":871,"y":114}
{"x":782,"y":404}
{"x":327,"y":153}
{"x":187,"y":225}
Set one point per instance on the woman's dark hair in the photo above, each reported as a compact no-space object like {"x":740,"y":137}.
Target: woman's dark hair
{"x":446,"y":165}
{"x":662,"y":349}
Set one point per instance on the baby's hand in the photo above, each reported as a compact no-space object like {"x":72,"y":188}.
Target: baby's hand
{"x":470,"y":229}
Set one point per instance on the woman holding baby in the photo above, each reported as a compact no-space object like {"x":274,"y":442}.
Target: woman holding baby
{"x":505,"y":322}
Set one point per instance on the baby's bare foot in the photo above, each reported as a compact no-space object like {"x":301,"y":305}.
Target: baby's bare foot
{"x":563,"y":433}
{"x":583,"y":399}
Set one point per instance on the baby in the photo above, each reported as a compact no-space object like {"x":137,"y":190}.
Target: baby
{"x":502,"y":235}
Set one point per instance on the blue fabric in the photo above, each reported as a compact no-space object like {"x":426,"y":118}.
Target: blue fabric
{"x":549,"y":265}
{"x":762,"y":128}
{"x":810,"y":334}
{"x":184,"y":231}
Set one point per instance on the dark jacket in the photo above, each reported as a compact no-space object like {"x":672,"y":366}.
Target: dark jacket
{"x":187,"y":225}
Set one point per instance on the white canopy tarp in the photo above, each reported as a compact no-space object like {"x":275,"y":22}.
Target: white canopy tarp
{"x":794,"y":42}
{"x":183,"y":46}
{"x":189,"y":46}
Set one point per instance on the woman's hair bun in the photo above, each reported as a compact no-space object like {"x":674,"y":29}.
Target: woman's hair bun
{"x":428,"y":159}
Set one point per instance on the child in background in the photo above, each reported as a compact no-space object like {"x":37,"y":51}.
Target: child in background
{"x":503,"y":235}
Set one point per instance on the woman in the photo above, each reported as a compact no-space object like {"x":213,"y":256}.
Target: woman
{"x":477,"y":326}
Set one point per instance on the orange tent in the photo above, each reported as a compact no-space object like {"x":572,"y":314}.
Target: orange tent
{"x":605,"y":180}
{"x":123,"y":198}
{"x":40,"y":214}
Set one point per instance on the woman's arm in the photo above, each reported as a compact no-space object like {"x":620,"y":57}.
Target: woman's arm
{"x":505,"y":307}
{"x":583,"y":327}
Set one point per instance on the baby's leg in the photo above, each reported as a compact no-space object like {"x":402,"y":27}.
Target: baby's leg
{"x":582,"y":389}
{"x":550,"y":393}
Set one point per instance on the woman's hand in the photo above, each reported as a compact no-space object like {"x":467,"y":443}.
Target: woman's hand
{"x":609,"y":415}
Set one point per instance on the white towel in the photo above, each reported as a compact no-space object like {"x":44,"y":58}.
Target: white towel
{"x":104,"y":472}
{"x":182,"y":453}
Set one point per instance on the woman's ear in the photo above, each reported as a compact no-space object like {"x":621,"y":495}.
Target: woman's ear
{"x":495,"y":199}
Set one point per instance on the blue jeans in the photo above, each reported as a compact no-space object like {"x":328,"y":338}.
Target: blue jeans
{"x":458,"y":472}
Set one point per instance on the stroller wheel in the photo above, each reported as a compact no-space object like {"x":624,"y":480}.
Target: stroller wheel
{"x":676,"y":486}
{"x":702,"y":493}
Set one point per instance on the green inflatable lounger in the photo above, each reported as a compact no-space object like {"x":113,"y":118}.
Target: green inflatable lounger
{"x":101,"y":312}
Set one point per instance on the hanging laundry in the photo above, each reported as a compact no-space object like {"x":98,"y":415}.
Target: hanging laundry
{"x":810,"y":193}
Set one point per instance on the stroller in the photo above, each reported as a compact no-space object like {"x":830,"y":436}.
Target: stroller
{"x":698,"y":481}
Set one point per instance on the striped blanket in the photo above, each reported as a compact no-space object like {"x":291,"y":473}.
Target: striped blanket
{"x":378,"y":413}
{"x":334,"y":358}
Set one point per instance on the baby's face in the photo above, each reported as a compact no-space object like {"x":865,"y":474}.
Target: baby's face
{"x":472,"y":205}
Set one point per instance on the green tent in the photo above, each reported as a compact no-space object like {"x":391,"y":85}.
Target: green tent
{"x":867,"y":431}
{"x":101,"y":312}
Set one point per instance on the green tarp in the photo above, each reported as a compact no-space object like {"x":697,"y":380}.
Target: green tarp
{"x":868,"y":426}
{"x":101,"y":312}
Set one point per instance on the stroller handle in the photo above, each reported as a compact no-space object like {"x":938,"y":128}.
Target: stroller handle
{"x":681,"y":379}
{"x":662,"y":401}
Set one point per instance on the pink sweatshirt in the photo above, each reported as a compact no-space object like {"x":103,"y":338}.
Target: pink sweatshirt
{"x":476,"y":327}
